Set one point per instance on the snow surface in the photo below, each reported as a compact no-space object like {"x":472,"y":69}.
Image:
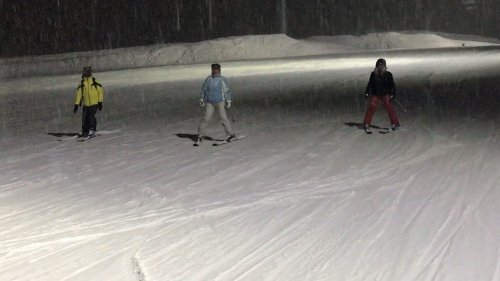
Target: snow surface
{"x":228,"y":49}
{"x":306,"y":196}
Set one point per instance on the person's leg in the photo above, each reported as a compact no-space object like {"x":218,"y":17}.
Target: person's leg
{"x":223,"y":118}
{"x":209,"y":111}
{"x":370,"y":111}
{"x":85,"y":121}
{"x":391,"y":111}
{"x":93,"y":120}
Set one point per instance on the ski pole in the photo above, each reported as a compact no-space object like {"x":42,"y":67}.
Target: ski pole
{"x":231,"y":116}
{"x":400,"y":105}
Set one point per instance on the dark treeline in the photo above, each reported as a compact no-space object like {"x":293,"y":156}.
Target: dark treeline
{"x":34,"y":27}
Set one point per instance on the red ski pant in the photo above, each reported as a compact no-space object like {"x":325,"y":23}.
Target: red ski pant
{"x":372,"y":107}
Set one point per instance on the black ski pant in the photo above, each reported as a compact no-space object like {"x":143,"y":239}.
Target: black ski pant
{"x":89,"y":121}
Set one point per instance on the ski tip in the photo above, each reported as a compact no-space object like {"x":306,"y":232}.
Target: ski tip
{"x":108,"y":132}
{"x":87,"y":138}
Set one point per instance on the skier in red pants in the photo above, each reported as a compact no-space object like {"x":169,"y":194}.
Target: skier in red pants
{"x":381,"y":88}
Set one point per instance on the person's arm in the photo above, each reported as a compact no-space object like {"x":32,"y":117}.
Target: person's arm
{"x":78,"y":95}
{"x":226,"y":91}
{"x":392,"y":87}
{"x":368,"y":90}
{"x":203,"y":92}
{"x":100,"y":96}
{"x":78,"y":98}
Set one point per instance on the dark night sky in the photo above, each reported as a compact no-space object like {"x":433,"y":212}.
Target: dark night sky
{"x":41,"y":27}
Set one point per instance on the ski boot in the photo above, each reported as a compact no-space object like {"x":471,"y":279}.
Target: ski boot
{"x":366,"y":127}
{"x":395,"y":127}
{"x":199,"y":139}
{"x":231,"y":138}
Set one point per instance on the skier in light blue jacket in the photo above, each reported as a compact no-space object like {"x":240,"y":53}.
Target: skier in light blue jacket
{"x":215,"y":95}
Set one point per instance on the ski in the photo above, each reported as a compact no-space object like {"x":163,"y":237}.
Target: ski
{"x":88,"y":138}
{"x":381,"y":130}
{"x":62,"y":137}
{"x":99,"y":133}
{"x":226,"y":142}
{"x":198,"y":142}
{"x":69,"y":138}
{"x":389,"y":130}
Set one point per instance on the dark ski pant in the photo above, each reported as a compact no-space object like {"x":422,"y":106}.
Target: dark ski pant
{"x":372,"y":107}
{"x":89,"y":121}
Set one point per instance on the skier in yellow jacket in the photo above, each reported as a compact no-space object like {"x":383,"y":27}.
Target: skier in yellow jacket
{"x":89,"y":95}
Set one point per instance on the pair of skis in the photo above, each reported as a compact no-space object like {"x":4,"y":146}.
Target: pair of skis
{"x":380,"y":130}
{"x":219,"y":143}
{"x":80,"y":138}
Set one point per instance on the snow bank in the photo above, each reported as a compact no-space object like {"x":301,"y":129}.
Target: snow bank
{"x":226,"y":49}
{"x":396,"y":40}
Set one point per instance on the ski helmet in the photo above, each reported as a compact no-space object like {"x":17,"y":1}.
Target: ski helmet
{"x":216,"y":66}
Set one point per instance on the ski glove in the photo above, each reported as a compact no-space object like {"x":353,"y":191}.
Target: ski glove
{"x":75,"y":109}
{"x":228,"y":104}
{"x":392,"y":95}
{"x":202,"y":103}
{"x":99,"y":105}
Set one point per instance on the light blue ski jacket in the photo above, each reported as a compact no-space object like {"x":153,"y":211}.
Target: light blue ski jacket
{"x":215,"y":89}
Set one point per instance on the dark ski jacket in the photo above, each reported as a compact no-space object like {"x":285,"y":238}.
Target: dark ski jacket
{"x":381,"y":84}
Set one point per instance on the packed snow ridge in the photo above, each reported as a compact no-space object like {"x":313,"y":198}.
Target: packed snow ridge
{"x":249,"y":47}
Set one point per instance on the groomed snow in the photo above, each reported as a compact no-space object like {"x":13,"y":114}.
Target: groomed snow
{"x":306,"y":196}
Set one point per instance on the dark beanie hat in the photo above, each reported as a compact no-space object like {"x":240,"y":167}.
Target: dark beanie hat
{"x":380,"y":62}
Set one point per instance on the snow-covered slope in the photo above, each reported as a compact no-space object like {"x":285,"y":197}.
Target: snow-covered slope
{"x":303,"y":197}
{"x":228,"y":49}
{"x":306,"y":196}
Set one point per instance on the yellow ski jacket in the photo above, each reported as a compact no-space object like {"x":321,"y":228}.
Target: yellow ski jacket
{"x":89,"y":92}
